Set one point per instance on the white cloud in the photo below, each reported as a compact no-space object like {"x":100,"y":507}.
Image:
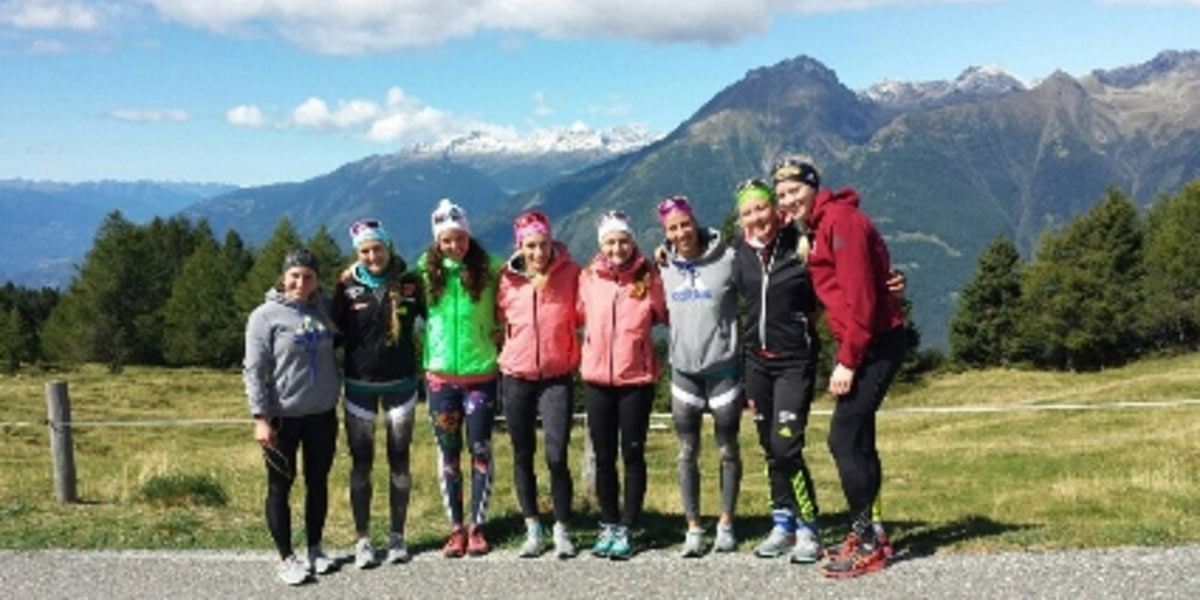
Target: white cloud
{"x":246,"y":115}
{"x":149,"y":115}
{"x":315,"y":114}
{"x":365,"y":26}
{"x":541,"y":107}
{"x":70,"y":15}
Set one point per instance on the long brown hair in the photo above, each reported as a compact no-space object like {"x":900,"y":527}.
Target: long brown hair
{"x":475,"y":273}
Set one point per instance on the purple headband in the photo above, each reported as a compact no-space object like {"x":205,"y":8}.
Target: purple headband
{"x":674,"y":204}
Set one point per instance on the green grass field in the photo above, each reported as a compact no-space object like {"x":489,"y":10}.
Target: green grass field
{"x":958,"y":482}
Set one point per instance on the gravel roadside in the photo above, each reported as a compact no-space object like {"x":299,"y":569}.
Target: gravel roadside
{"x":1111,"y":573}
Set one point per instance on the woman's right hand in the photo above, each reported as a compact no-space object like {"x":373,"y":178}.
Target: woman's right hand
{"x":660,"y":255}
{"x":264,"y":434}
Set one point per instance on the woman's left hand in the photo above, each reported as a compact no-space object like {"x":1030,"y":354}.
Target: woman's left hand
{"x":841,"y":380}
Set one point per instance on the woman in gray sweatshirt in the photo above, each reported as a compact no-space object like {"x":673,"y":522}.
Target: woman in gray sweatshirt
{"x":702,"y":301}
{"x":292,"y":388}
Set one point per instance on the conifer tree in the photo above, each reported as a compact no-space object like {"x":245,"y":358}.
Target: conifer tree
{"x":96,"y":320}
{"x":202,"y":324}
{"x":1081,"y":296}
{"x":329,"y":257}
{"x":983,"y":331}
{"x":265,"y":271}
{"x":1171,"y":314}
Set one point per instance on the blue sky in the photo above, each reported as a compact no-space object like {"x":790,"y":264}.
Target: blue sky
{"x":254,"y":92}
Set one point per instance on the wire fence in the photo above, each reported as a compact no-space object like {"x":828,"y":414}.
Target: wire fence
{"x":660,"y":420}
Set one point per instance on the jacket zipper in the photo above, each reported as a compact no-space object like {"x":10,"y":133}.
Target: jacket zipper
{"x":537,"y":336}
{"x":612,"y":339}
{"x":762,"y":313}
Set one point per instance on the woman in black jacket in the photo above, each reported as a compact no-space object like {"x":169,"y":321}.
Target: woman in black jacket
{"x":374,"y":307}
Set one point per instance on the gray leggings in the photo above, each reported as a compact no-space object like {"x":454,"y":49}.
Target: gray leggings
{"x":722,"y":395}
{"x":399,"y":410}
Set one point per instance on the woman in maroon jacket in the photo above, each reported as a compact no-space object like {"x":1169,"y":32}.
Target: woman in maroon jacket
{"x":850,"y":269}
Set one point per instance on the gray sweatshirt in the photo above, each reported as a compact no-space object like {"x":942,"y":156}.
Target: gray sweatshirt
{"x":702,"y":302}
{"x":289,"y":369}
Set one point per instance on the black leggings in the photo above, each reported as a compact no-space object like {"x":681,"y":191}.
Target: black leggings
{"x":524,"y":400}
{"x":317,"y":435}
{"x":619,"y":413}
{"x":852,"y":429}
{"x":781,"y":392}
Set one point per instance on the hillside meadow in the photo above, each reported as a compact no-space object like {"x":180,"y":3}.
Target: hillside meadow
{"x":962,"y":482}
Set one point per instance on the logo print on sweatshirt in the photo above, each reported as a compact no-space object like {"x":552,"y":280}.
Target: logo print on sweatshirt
{"x":692,"y":290}
{"x":310,"y":332}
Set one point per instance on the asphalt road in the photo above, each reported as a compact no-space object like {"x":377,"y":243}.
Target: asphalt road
{"x":1113,"y":573}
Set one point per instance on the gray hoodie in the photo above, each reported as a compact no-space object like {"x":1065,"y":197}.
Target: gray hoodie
{"x":702,"y":302}
{"x":289,"y":369}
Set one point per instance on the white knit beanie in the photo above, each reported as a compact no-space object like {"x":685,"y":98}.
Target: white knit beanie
{"x":448,"y":215}
{"x":613,"y":220}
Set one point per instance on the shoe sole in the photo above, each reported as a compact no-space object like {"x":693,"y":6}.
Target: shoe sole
{"x":803,"y":560}
{"x":869,"y":568}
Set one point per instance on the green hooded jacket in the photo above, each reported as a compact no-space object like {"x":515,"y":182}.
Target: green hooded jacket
{"x":458,"y":330}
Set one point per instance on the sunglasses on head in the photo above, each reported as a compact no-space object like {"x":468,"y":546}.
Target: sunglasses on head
{"x":364,"y":224}
{"x":752,"y":183}
{"x":673,"y":203}
{"x":454,"y":214}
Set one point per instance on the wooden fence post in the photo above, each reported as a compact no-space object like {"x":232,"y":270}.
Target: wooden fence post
{"x":62,"y":447}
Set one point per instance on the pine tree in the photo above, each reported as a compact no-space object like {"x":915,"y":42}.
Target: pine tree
{"x":202,"y":324}
{"x":13,"y":338}
{"x":329,"y":257}
{"x":265,"y":272}
{"x":97,"y":318}
{"x":1082,"y":293}
{"x":238,"y":258}
{"x":984,"y":330}
{"x":1171,"y":314}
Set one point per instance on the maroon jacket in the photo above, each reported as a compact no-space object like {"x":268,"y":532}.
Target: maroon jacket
{"x":849,"y":266}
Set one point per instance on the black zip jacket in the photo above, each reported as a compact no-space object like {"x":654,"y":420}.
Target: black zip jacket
{"x":781,"y":320}
{"x":364,"y":317}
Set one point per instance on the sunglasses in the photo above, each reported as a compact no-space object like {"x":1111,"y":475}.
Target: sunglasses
{"x":362,"y":225}
{"x":454,"y":214}
{"x":671,"y":204}
{"x":612,"y":214}
{"x":752,"y":183}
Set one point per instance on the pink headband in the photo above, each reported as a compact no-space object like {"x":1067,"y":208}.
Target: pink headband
{"x":528,"y":224}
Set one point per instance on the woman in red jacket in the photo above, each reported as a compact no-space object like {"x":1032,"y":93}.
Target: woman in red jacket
{"x":536,"y":302}
{"x":850,"y":269}
{"x":620,"y":300}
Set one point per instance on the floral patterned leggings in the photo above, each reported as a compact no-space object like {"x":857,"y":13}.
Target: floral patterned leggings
{"x":450,"y":406}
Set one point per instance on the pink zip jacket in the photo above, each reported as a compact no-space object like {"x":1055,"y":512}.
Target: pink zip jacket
{"x":539,"y":323}
{"x":617,"y":346}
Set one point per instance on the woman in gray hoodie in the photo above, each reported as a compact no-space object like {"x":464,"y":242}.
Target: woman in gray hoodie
{"x":292,"y":388}
{"x":702,"y":301}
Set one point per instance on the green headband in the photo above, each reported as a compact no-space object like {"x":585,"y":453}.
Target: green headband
{"x":755,"y":193}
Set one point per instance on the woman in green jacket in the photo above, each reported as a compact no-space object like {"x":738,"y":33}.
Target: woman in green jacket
{"x":459,"y":279}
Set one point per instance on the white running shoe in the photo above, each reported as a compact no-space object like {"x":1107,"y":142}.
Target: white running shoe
{"x":364,"y":554}
{"x":397,"y":551}
{"x":291,"y":571}
{"x":318,"y":563}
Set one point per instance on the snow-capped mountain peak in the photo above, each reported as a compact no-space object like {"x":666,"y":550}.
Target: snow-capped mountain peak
{"x":973,"y":84}
{"x":574,"y":138}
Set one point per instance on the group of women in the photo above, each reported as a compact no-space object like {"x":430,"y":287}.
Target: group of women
{"x":512,"y":328}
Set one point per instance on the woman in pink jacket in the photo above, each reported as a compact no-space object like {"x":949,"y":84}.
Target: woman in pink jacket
{"x":621,"y":299}
{"x":536,"y":303}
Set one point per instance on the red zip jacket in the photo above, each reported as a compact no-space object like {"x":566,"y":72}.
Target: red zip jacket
{"x":849,"y":266}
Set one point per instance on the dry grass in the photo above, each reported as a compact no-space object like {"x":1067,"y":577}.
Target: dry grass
{"x":960,"y":481}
